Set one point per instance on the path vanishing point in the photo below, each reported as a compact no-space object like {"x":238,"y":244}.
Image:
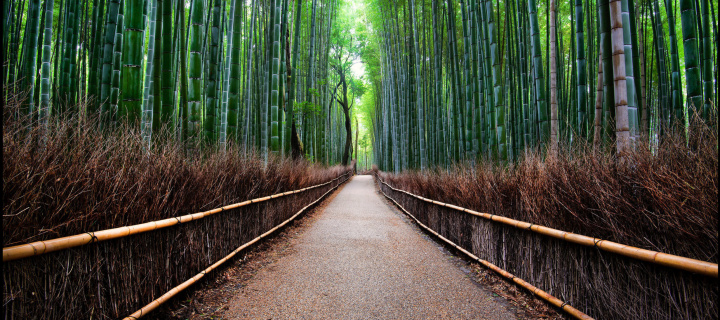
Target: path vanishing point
{"x":362,"y":260}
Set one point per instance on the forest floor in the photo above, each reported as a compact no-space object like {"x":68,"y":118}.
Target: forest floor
{"x":356,"y":256}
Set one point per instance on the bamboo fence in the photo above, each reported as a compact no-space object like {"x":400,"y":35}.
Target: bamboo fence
{"x":540,"y":293}
{"x":602,"y":278}
{"x":682,"y":263}
{"x":46,"y":246}
{"x":112,"y":279}
{"x":174,"y":291}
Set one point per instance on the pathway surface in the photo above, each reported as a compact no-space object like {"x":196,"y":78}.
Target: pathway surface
{"x":361,"y":260}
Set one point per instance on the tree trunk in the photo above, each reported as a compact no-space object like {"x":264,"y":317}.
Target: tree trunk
{"x":348,"y":129}
{"x":597,"y":136}
{"x":554,"y":126}
{"x":622,"y":126}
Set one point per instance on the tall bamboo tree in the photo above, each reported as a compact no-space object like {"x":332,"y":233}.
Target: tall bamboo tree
{"x":134,"y":35}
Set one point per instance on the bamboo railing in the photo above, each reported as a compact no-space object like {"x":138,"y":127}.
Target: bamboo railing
{"x":535,"y":290}
{"x":677,"y":262}
{"x":46,"y":246}
{"x":168,"y":295}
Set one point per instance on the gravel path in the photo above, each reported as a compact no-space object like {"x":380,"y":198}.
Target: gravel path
{"x":361,"y":260}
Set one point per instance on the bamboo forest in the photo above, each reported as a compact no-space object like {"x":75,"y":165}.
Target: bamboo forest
{"x":463,"y":159}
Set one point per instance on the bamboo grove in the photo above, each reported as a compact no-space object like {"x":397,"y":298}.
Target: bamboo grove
{"x":260,"y":73}
{"x":471,"y":80}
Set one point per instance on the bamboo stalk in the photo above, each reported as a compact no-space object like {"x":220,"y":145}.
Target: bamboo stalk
{"x":42,"y":247}
{"x":168,"y":295}
{"x":598,"y":106}
{"x":535,"y":290}
{"x":677,"y":262}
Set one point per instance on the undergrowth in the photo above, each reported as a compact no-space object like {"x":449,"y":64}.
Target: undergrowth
{"x":661,"y":198}
{"x":74,"y":177}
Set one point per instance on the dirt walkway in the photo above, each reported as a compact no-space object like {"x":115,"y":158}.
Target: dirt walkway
{"x":360,"y":260}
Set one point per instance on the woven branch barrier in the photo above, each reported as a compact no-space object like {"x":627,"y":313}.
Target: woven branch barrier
{"x":41,"y":247}
{"x":536,"y":291}
{"x":602,"y":278}
{"x":115,"y":277}
{"x":693,"y":265}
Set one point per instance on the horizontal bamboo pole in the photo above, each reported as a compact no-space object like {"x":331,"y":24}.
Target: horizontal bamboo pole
{"x":165,"y":297}
{"x":682,"y":263}
{"x":46,"y":246}
{"x":536,"y":291}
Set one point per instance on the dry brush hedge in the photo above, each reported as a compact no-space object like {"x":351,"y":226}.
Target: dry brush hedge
{"x":79,"y":179}
{"x":665,"y":201}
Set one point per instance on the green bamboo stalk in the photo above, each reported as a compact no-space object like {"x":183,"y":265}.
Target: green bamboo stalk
{"x":554,"y":126}
{"x":675,"y":81}
{"x":107,"y":67}
{"x":236,"y":21}
{"x":630,"y":62}
{"x":597,"y":138}
{"x":455,"y":117}
{"x":38,"y":61}
{"x":67,"y":55}
{"x":437,"y":76}
{"x":134,"y":34}
{"x":117,"y":63}
{"x":608,"y":84}
{"x":96,"y":56}
{"x":467,"y":94}
{"x":295,"y":144}
{"x":498,"y":104}
{"x":479,"y":106}
{"x":44,"y":111}
{"x":275,"y":81}
{"x":167,"y":108}
{"x":663,"y":86}
{"x":538,"y":76}
{"x":211,"y":106}
{"x":419,"y":91}
{"x":522,"y":53}
{"x":184,"y":106}
{"x":195,"y":88}
{"x":73,"y":20}
{"x":147,"y":108}
{"x":581,"y":70}
{"x":30,"y":52}
{"x":643,"y":101}
{"x":707,"y":65}
{"x":692,"y":57}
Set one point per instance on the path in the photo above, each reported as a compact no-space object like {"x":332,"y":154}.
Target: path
{"x":360,"y":260}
